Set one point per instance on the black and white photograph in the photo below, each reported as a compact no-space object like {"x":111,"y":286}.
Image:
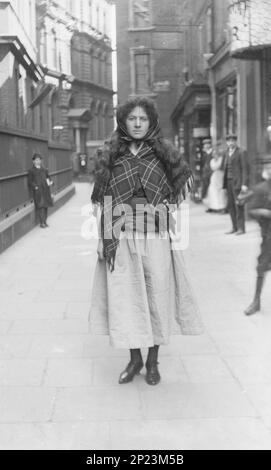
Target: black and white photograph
{"x":135,"y":228}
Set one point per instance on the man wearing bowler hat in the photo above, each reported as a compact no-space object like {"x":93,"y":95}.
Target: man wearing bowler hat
{"x":235,"y":167}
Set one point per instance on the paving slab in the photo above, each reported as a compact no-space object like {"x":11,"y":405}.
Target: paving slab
{"x":86,"y":404}
{"x":194,"y":400}
{"x":15,"y":346}
{"x":191,"y":434}
{"x":68,"y":372}
{"x":21,"y":372}
{"x":59,"y":384}
{"x":46,"y":327}
{"x":55,"y":436}
{"x":26,"y":404}
{"x":48,"y":346}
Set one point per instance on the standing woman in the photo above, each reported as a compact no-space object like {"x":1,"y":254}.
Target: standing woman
{"x":216,"y":198}
{"x":141,"y":293}
{"x":39,"y":184}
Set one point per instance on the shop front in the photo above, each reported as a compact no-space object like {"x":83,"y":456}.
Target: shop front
{"x":191,"y":124}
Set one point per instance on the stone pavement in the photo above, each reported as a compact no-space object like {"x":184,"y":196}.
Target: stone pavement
{"x":59,"y":386}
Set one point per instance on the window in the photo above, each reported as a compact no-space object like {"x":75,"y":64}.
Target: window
{"x":231,"y":110}
{"x":140,"y":14}
{"x":105,"y":78}
{"x":41,"y":108}
{"x":90,"y":11}
{"x":227,"y":111}
{"x":54,"y":48}
{"x":209,"y":29}
{"x":142,"y":78}
{"x":98,"y":18}
{"x":71,"y":6}
{"x":32,"y":96}
{"x":20,"y":96}
{"x":105,"y":22}
{"x":43,"y":48}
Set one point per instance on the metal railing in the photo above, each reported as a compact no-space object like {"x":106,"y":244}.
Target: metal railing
{"x":15,"y":159}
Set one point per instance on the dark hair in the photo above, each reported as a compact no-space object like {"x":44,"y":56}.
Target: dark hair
{"x":36,"y":155}
{"x":143,"y":102}
{"x":177,"y":170}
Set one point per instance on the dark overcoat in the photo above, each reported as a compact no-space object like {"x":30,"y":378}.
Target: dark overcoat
{"x":38,"y":186}
{"x":260,"y":198}
{"x":240,"y":169}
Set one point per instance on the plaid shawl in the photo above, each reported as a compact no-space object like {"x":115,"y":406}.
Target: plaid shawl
{"x":121,"y":187}
{"x":115,"y":192}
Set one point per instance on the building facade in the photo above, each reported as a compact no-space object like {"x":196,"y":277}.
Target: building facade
{"x":149,"y":53}
{"x":191,"y":116}
{"x":223,"y":94}
{"x":74,"y":49}
{"x":249,"y":26}
{"x":24,"y":128}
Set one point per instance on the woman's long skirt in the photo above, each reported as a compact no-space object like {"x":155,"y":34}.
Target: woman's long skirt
{"x":146,"y":298}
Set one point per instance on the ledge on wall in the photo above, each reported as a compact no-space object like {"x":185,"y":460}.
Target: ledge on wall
{"x":20,"y":223}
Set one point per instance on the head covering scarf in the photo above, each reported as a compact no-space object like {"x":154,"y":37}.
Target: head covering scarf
{"x":153,"y":133}
{"x":121,"y":191}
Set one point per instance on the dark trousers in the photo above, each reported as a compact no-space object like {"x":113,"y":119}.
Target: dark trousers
{"x":237,"y":213}
{"x":264,"y":259}
{"x":42,"y":213}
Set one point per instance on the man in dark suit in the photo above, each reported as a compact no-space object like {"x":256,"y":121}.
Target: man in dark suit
{"x":235,"y":167}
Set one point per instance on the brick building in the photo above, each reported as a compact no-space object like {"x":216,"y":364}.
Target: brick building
{"x":150,"y":53}
{"x":226,"y":77}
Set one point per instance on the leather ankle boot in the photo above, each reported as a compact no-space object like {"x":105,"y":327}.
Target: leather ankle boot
{"x":254,"y":307}
{"x":152,"y":376}
{"x":132,"y":369}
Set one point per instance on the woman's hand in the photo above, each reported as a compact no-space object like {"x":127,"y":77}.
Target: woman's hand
{"x":100,"y":250}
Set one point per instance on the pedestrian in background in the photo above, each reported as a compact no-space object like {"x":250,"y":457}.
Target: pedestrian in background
{"x":235,"y":166}
{"x":259,"y":204}
{"x":207,"y":155}
{"x":39,"y":183}
{"x":216,"y":199}
{"x":141,"y":293}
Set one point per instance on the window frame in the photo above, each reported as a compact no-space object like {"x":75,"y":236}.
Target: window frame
{"x":131,"y":17}
{"x":134,"y":51}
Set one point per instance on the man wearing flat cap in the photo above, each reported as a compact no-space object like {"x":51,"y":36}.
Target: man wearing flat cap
{"x":235,"y":166}
{"x":259,"y":207}
{"x":207,"y":156}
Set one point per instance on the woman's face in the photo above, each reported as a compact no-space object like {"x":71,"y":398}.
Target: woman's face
{"x":137,"y":123}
